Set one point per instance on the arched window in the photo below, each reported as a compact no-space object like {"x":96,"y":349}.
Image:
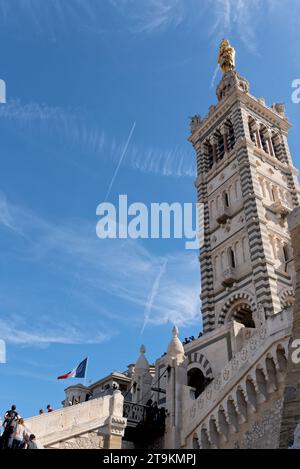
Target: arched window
{"x":230,"y":135}
{"x":197,"y":380}
{"x":242,"y":313}
{"x":231,"y":256}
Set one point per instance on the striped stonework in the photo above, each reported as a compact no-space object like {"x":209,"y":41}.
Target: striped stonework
{"x":202,"y":362}
{"x":247,"y":184}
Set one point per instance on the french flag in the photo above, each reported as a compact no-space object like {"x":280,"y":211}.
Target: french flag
{"x":78,"y":372}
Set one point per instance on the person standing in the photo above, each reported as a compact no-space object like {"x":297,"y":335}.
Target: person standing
{"x":31,"y":444}
{"x":19,"y":435}
{"x":10,"y":420}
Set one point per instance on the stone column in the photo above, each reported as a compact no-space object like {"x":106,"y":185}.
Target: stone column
{"x":257,"y":135}
{"x":270,"y":143}
{"x":225,"y":136}
{"x":213,"y":143}
{"x":291,"y":404}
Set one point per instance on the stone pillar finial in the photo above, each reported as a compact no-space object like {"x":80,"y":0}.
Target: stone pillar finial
{"x":175,"y":348}
{"x":142,"y":349}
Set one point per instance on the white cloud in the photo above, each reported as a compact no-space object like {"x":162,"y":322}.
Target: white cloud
{"x":15,"y":330}
{"x":139,"y":16}
{"x":6,"y":218}
{"x":152,"y":15}
{"x":74,"y":128}
{"x":227,"y":16}
{"x":122,"y":269}
{"x":51,"y":16}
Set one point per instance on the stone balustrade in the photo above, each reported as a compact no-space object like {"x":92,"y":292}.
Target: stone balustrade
{"x":103,"y":415}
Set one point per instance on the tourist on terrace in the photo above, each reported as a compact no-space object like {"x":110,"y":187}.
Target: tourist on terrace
{"x":19,"y":435}
{"x":31,"y":444}
{"x":10,"y":419}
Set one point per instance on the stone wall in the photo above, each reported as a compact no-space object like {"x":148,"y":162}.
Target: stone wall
{"x":264,"y":429}
{"x":90,"y":440}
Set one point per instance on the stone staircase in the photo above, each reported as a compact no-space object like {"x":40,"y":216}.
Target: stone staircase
{"x":244,"y":393}
{"x":91,"y":424}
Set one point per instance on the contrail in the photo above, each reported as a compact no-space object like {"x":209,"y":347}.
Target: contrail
{"x":153,"y":294}
{"x":120,"y":162}
{"x":214,"y":77}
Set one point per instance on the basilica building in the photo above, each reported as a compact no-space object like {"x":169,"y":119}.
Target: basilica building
{"x":228,"y":387}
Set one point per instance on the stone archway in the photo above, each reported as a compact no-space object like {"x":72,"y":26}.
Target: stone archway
{"x":287,"y":298}
{"x":239,"y":307}
{"x":199,"y":372}
{"x":198,"y":360}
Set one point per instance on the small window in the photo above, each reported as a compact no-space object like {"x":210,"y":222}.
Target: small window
{"x":226,"y":199}
{"x":285,"y":253}
{"x":231,"y":254}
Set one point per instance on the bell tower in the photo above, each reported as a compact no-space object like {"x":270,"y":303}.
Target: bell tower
{"x":246,"y":185}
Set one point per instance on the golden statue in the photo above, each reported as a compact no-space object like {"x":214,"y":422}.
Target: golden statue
{"x":226,"y":57}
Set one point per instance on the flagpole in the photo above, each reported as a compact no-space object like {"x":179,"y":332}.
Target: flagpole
{"x":86,"y":370}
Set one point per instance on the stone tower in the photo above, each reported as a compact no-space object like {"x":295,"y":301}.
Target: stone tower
{"x":246,"y":185}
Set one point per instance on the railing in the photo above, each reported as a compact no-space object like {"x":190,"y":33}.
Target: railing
{"x":134,"y":412}
{"x":144,"y":423}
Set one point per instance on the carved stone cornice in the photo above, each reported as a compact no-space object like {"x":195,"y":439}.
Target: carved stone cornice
{"x":236,"y":96}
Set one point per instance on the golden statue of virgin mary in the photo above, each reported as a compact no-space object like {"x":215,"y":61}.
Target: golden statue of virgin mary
{"x":226,"y":58}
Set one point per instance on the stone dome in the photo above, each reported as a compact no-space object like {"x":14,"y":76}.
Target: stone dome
{"x":142,"y":362}
{"x":175,"y":348}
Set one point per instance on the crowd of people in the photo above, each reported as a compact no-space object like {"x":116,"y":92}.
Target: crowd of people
{"x":13,"y":431}
{"x":187,"y":340}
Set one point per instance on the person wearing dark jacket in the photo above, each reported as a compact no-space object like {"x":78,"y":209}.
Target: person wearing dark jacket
{"x":10,"y":419}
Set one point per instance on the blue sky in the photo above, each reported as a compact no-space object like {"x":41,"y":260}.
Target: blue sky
{"x":79,"y":75}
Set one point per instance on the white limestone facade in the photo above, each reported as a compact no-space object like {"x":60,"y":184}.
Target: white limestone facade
{"x":228,"y":388}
